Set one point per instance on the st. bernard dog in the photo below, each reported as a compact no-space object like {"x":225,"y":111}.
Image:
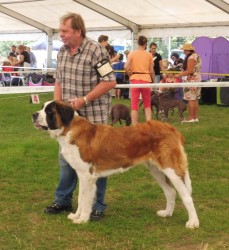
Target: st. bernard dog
{"x":100,"y":150}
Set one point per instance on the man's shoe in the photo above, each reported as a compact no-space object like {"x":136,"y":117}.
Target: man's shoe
{"x":96,"y":215}
{"x":55,"y":208}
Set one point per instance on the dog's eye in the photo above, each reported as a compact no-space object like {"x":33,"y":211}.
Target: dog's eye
{"x":48,"y":112}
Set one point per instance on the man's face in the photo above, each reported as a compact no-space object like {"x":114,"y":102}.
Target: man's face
{"x":153,"y":49}
{"x":104,"y":43}
{"x":68,"y":35}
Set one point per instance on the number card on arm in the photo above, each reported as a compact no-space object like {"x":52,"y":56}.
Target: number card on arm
{"x":103,"y":68}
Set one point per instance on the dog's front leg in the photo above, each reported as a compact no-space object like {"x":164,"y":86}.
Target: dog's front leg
{"x":76,"y":216}
{"x":87,"y":190}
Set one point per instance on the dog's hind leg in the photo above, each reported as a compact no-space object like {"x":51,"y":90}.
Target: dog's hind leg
{"x":167,"y":188}
{"x":187,"y":182}
{"x":184,"y":193}
{"x":87,"y":190}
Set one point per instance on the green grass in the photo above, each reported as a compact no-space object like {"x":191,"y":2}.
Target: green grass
{"x":29,"y":174}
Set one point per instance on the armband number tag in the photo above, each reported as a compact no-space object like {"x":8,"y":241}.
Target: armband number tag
{"x":103,"y":68}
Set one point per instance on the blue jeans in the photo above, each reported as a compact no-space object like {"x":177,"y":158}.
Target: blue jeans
{"x":67,"y":184}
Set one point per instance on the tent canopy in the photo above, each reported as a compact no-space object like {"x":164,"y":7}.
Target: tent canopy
{"x":165,"y":17}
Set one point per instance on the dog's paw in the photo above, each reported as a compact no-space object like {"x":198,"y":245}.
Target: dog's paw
{"x":164,"y":213}
{"x":80,"y":221}
{"x":72,"y":216}
{"x":192,"y":224}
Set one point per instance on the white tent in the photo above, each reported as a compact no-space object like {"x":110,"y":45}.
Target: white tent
{"x":33,"y":15}
{"x":117,"y":18}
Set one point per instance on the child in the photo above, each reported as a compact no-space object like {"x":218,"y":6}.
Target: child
{"x":170,"y":78}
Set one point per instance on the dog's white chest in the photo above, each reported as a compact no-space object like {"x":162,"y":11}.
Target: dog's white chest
{"x":72,"y":155}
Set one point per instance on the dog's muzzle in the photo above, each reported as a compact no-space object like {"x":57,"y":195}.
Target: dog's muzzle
{"x":35,"y":122}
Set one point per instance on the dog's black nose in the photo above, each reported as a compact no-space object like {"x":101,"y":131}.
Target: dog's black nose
{"x":35,"y":115}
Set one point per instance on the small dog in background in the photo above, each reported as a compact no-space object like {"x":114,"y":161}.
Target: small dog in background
{"x":154,"y":103}
{"x":167,"y":102}
{"x":120,"y":112}
{"x":164,"y":102}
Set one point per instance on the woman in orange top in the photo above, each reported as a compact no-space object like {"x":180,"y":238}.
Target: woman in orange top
{"x":139,"y":67}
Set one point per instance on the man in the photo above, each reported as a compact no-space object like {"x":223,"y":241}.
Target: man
{"x":13,"y":52}
{"x":158,"y":63}
{"x":103,"y":40}
{"x":84,"y":78}
{"x":12,"y":56}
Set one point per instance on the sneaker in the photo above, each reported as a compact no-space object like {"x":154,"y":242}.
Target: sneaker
{"x":196,"y":120}
{"x":192,"y":120}
{"x":55,"y":208}
{"x":96,"y":215}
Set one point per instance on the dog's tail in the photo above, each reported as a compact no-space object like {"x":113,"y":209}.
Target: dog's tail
{"x":186,"y":177}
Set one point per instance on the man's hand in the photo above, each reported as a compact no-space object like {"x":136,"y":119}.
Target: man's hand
{"x":77,"y":103}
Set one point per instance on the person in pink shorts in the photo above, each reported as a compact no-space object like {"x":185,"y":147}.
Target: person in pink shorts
{"x":139,"y":67}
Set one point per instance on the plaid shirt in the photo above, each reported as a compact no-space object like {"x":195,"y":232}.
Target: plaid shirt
{"x":78,"y":77}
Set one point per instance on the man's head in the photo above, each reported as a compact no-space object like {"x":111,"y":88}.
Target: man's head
{"x":153,"y":48}
{"x":72,"y":28}
{"x":13,"y":48}
{"x":103,"y":40}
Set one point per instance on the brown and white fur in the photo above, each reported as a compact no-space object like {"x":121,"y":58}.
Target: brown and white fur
{"x":99,"y":150}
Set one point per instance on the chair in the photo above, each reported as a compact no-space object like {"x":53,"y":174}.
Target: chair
{"x":18,"y":79}
{"x":5,"y":79}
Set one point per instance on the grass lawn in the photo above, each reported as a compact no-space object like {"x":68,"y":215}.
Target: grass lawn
{"x":29,"y":174}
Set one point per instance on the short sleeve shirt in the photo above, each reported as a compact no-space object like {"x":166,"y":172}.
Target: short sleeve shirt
{"x":141,"y":61}
{"x":78,"y":76}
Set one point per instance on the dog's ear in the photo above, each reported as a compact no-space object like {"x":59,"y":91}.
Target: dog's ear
{"x":66,"y":113}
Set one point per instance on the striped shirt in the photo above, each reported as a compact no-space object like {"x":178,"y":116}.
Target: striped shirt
{"x":77,"y":76}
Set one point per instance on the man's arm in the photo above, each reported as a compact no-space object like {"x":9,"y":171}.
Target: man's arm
{"x":99,"y":90}
{"x":152,"y":72}
{"x":57,"y":92}
{"x":161,"y":66}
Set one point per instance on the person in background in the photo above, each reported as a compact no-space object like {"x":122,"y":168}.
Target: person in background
{"x":103,"y":40}
{"x":13,"y":53}
{"x":23,"y":57}
{"x":191,"y":73}
{"x":126,"y":53}
{"x":33,"y":60}
{"x":12,"y":57}
{"x":125,"y":93}
{"x":158,"y":63}
{"x":140,"y":68}
{"x":84,"y":78}
{"x":177,"y":61}
{"x":170,"y":78}
{"x":112,"y":53}
{"x":6,"y":66}
{"x":119,"y":66}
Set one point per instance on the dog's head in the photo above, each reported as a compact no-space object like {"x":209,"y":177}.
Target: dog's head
{"x":53,"y":115}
